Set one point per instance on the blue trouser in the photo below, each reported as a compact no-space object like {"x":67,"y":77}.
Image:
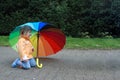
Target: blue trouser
{"x":25,"y":64}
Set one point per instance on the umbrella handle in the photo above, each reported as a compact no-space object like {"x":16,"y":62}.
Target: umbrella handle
{"x":37,"y":62}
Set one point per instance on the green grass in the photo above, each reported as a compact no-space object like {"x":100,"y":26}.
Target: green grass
{"x":4,"y":41}
{"x":81,"y":43}
{"x":93,"y":43}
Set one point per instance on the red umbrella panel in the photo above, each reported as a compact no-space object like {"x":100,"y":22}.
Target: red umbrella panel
{"x":48,"y":41}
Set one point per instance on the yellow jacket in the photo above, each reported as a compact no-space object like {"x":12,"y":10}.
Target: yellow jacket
{"x":25,"y":48}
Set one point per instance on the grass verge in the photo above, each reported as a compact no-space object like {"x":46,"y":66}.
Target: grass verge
{"x":93,"y":43}
{"x":4,"y":41}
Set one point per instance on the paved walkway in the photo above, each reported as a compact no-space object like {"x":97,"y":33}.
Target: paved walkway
{"x":66,"y":65}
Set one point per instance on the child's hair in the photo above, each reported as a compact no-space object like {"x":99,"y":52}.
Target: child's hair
{"x":25,"y":29}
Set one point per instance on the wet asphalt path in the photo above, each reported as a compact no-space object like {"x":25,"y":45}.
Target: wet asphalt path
{"x":68,"y":64}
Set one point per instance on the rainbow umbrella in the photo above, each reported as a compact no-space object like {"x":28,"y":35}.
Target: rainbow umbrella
{"x":45,"y":38}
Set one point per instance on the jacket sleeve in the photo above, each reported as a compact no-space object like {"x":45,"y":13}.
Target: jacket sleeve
{"x":21,"y":49}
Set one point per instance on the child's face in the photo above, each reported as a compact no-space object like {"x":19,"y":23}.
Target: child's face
{"x":28,"y":34}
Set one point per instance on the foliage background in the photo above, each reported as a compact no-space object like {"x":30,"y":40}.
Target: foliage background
{"x":77,"y":18}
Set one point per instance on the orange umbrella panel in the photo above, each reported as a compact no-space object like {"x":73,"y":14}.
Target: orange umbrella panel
{"x":50,"y":42}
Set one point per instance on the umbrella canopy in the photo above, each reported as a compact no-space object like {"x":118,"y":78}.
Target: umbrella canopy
{"x":46,"y":39}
